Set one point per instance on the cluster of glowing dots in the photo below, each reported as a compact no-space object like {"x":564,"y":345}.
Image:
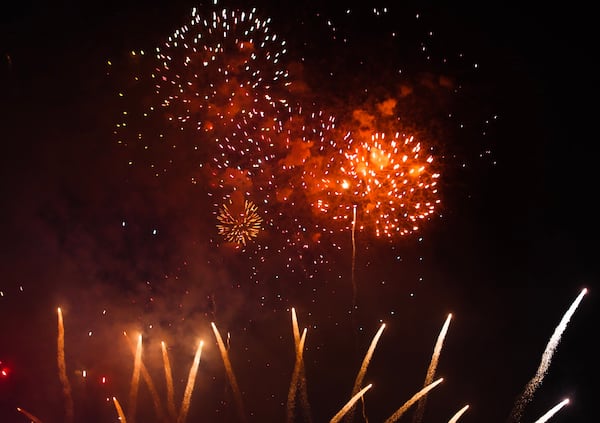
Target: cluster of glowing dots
{"x":391,"y":182}
{"x":218,"y":74}
{"x":239,"y":227}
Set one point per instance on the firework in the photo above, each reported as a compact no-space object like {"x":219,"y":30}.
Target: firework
{"x":215,"y":86}
{"x":392,"y":182}
{"x":418,"y":416}
{"x":239,"y":227}
{"x":62,"y":367}
{"x":537,"y":379}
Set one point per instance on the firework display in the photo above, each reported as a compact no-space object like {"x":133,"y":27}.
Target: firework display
{"x":181,"y":178}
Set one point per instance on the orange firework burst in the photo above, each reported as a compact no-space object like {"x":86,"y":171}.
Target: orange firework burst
{"x":239,"y":227}
{"x":393,"y":182}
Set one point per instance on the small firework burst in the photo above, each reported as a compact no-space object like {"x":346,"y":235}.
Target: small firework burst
{"x":239,"y":227}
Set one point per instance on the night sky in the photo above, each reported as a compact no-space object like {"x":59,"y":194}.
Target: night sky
{"x":121,"y":233}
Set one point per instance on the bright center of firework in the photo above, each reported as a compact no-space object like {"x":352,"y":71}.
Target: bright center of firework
{"x":239,"y":227}
{"x":392,"y":182}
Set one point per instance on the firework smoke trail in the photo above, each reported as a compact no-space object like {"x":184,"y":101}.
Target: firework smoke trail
{"x":459,"y":413}
{"x":537,"y":379}
{"x":394,"y":417}
{"x":349,"y":404}
{"x":232,"y":380}
{"x":119,"y":410}
{"x":552,"y":411}
{"x":135,"y":380}
{"x":187,"y":396}
{"x":365,"y":363}
{"x":418,"y":416}
{"x":295,"y":378}
{"x":301,"y":380}
{"x":148,"y":379}
{"x":62,"y":369}
{"x":30,"y":416}
{"x":169,"y":381}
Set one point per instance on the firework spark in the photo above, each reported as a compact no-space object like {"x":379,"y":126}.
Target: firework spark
{"x":537,"y":379}
{"x":239,"y":227}
{"x":552,"y":411}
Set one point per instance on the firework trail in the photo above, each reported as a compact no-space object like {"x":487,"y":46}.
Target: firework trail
{"x":135,"y":381}
{"x":354,"y":288}
{"x":365,"y":363}
{"x":232,"y":380}
{"x":349,"y":404}
{"x":187,"y":396}
{"x":418,"y":416}
{"x":394,"y":417}
{"x":538,"y":378}
{"x":119,"y":410}
{"x":301,"y":377}
{"x":62,"y":369}
{"x":458,"y":414}
{"x":148,"y":379}
{"x":30,"y":416}
{"x":295,"y":377}
{"x":552,"y":411}
{"x":169,"y":381}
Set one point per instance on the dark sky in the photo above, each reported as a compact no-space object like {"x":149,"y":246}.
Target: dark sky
{"x":504,"y":94}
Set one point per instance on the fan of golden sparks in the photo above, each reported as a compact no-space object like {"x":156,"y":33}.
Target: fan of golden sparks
{"x":239,"y":227}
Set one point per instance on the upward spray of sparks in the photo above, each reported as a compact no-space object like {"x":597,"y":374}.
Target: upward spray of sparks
{"x":169,"y":381}
{"x":418,"y":416}
{"x":537,"y":379}
{"x":350,"y":404}
{"x":187,"y":396}
{"x":363,"y":368}
{"x":135,"y":380}
{"x":30,"y":416}
{"x":299,"y":378}
{"x":232,"y":380}
{"x":459,"y":413}
{"x":62,"y":369}
{"x":148,"y":379}
{"x":552,"y":411}
{"x":399,"y":412}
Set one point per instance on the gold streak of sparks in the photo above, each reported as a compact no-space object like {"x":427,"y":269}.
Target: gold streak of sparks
{"x":187,"y":396}
{"x":30,"y":416}
{"x":62,"y":369}
{"x":135,"y":380}
{"x":295,"y":378}
{"x":394,"y":417}
{"x":367,"y":359}
{"x":232,"y":380}
{"x":537,"y":379}
{"x":119,"y":409}
{"x":418,"y":416}
{"x":349,"y":404}
{"x":169,"y":381}
{"x":458,"y":414}
{"x":148,"y":379}
{"x":552,"y":411}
